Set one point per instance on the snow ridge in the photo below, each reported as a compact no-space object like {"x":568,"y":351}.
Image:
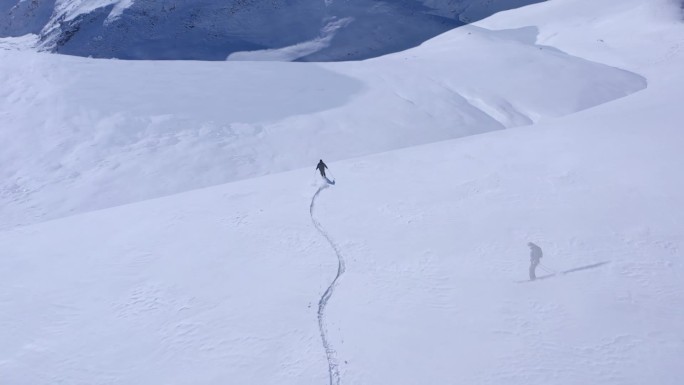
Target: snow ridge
{"x":333,"y":366}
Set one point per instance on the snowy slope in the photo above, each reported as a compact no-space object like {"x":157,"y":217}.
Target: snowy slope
{"x":222,"y":285}
{"x":211,"y":29}
{"x":114,"y":139}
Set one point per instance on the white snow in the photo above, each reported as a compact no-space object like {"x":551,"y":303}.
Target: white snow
{"x":70,"y":9}
{"x":20,"y":43}
{"x":114,"y":132}
{"x":222,"y":284}
{"x":118,"y":9}
{"x":297,"y":51}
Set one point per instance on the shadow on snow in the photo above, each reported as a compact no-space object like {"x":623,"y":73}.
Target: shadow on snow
{"x":573,"y":270}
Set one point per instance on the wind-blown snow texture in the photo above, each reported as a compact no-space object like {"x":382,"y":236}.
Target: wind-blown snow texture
{"x":222,"y":284}
{"x":213,"y":29}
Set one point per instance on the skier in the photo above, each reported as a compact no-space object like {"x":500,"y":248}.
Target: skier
{"x":321,"y":167}
{"x":535,"y":257}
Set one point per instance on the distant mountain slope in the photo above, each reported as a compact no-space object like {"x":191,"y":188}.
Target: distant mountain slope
{"x":212,"y":29}
{"x":81,"y":134}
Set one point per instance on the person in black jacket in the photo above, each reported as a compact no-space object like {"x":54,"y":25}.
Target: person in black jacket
{"x":535,"y":258}
{"x":321,"y":167}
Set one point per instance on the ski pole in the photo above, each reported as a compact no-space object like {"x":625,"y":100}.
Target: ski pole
{"x":547,"y":269}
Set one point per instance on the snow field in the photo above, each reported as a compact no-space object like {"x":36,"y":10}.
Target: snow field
{"x":150,"y":129}
{"x":222,"y":284}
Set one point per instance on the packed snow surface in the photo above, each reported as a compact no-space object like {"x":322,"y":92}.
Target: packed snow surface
{"x":425,"y":228}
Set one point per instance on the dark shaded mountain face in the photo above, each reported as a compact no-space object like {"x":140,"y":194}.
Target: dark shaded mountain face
{"x":214,"y":29}
{"x":19,"y":18}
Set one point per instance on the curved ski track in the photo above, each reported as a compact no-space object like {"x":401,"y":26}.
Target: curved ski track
{"x":333,"y":366}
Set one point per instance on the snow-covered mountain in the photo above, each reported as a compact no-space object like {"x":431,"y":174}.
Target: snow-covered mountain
{"x":330,"y":30}
{"x":562,"y":126}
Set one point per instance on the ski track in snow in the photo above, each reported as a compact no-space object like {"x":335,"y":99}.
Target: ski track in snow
{"x":333,"y":366}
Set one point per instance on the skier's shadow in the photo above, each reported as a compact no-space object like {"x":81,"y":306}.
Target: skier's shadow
{"x":574,"y":270}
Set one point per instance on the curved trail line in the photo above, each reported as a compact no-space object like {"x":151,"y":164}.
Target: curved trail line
{"x":333,"y":366}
